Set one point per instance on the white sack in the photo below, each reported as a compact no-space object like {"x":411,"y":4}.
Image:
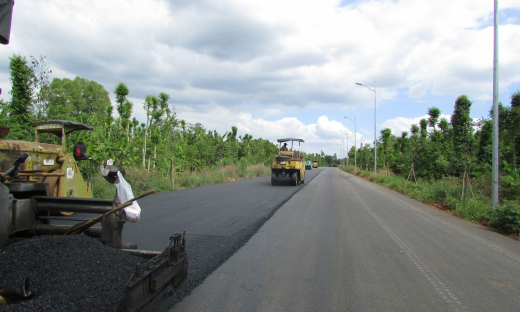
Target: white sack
{"x":124,"y":194}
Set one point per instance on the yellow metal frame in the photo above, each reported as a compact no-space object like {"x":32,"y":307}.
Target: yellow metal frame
{"x":48,"y":163}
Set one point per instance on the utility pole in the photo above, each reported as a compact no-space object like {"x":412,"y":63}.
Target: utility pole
{"x":494,"y":163}
{"x":375,"y":122}
{"x":355,"y":142}
{"x":345,"y":132}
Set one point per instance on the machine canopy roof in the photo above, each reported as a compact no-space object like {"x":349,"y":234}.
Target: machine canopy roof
{"x":55,"y":126}
{"x":290,"y":139}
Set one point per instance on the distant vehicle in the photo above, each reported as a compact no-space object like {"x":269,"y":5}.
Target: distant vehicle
{"x":308,"y":165}
{"x":315,"y":164}
{"x":288,"y":166}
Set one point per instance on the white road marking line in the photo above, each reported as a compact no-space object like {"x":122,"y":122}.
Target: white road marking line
{"x":481,"y":240}
{"x":436,"y":282}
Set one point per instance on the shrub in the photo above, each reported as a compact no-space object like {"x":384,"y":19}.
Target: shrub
{"x":242,"y":168}
{"x":510,"y":183}
{"x":103,"y":189}
{"x":472,"y":209}
{"x":505,"y":218}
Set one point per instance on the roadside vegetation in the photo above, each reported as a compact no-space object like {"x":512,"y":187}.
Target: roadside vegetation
{"x":446,"y":194}
{"x":447,"y":163}
{"x":142,"y":181}
{"x":164,"y":152}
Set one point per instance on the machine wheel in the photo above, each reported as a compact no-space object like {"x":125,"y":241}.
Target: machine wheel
{"x":273,"y":181}
{"x":294,"y":179}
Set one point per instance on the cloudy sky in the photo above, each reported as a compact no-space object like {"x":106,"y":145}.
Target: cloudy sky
{"x":279,"y":68}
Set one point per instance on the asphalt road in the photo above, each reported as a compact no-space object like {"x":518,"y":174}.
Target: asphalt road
{"x":344,"y":244}
{"x":218,"y":220}
{"x":218,"y":210}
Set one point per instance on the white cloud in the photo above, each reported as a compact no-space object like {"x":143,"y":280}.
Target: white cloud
{"x":235,"y":62}
{"x":222,"y":119}
{"x":399,"y":125}
{"x":275,"y":52}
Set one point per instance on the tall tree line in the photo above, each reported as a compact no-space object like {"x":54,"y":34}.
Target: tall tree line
{"x":460,"y":147}
{"x":162,"y":143}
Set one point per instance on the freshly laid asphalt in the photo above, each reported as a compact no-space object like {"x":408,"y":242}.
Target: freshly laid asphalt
{"x":218,"y":220}
{"x":344,"y":244}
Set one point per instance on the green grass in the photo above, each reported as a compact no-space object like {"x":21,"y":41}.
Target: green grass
{"x":447,"y":193}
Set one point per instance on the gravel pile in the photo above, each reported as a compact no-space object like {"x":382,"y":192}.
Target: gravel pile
{"x":67,"y":273}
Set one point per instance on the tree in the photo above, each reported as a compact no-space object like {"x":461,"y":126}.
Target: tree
{"x":109,"y":119}
{"x":41,"y":84}
{"x":385,"y":137}
{"x":20,"y":113}
{"x":434,"y":114}
{"x":134,"y":124}
{"x":233,"y":143}
{"x":4,"y":107}
{"x":121,"y":91}
{"x":79,"y":100}
{"x":515,"y":99}
{"x":246,"y":140}
{"x":150,"y":104}
{"x":220,"y":149}
{"x":485,"y":135}
{"x":414,"y":129}
{"x":445,"y":143}
{"x":170,"y":124}
{"x":444,"y":125}
{"x":512,"y":127}
{"x":125,"y":115}
{"x":462,"y":130}
{"x":159,"y":112}
{"x":424,"y":125}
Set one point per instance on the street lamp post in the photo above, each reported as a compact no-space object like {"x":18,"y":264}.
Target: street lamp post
{"x":343,"y":151}
{"x":495,"y":140}
{"x":375,"y":131}
{"x":355,"y":143}
{"x":347,"y":147}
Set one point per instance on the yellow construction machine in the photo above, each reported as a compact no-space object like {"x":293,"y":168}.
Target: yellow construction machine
{"x":42,"y":184}
{"x":288,"y":166}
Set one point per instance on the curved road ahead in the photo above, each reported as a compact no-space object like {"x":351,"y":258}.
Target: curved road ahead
{"x":343,"y":244}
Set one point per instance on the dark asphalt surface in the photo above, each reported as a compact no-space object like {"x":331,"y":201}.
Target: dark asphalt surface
{"x":345,"y":244}
{"x":218,"y":220}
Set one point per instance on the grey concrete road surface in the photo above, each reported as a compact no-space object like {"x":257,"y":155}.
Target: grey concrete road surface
{"x":344,"y":244}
